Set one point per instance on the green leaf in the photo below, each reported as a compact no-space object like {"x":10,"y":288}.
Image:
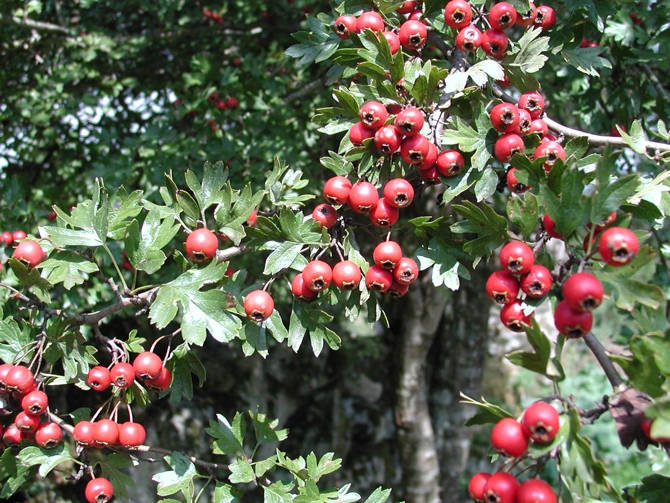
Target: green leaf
{"x":241,"y":471}
{"x":278,"y":492}
{"x":568,"y":210}
{"x":229,"y":437}
{"x":537,"y":360}
{"x":28,"y":277}
{"x":276,"y":326}
{"x":486,"y":185}
{"x":587,"y":59}
{"x":531,"y":46}
{"x":67,"y":268}
{"x":179,"y":478}
{"x":653,"y":489}
{"x":265,"y":429}
{"x":254,"y":339}
{"x":111,"y":469}
{"x":610,"y":197}
{"x":524,"y":212}
{"x":458,"y":133}
{"x":47,"y":459}
{"x":379,"y":496}
{"x":282,"y":257}
{"x":487,"y":413}
{"x":63,"y":237}
{"x":225,"y":493}
{"x":188,"y":205}
{"x":576,"y":147}
{"x":445,"y":264}
{"x":129,"y":208}
{"x":144,"y":248}
{"x":483,"y":221}
{"x":635,"y":139}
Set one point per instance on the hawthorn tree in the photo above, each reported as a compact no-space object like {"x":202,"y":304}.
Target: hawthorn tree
{"x":461,"y":139}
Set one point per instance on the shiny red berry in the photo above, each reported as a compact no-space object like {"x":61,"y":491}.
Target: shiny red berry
{"x":5,"y":368}
{"x":370,"y":20}
{"x":325,"y":214}
{"x":413,"y":34}
{"x":35,"y":402}
{"x":458,"y":14}
{"x":430,"y":176}
{"x":345,"y":25}
{"x":122,"y":374}
{"x":526,"y":18}
{"x":469,"y":39}
{"x":373,"y":114}
{"x":583,"y":291}
{"x":517,"y":257}
{"x":397,"y":289}
{"x":505,"y":117}
{"x":83,"y":433}
{"x":407,"y":7}
{"x":540,"y":422}
{"x":545,"y":17}
{"x":646,"y":425}
{"x":550,"y":227}
{"x":131,"y":434}
{"x":20,"y":380}
{"x":502,"y":287}
{"x":336,"y":190}
{"x":12,"y":436}
{"x":359,"y":132}
{"x":383,"y":214}
{"x":507,"y":146}
{"x":317,"y":275}
{"x":537,"y":282}
{"x":362,"y":197}
{"x":26,"y":423}
{"x":602,"y":225}
{"x":501,"y":487}
{"x":162,"y":382}
{"x":98,"y":378}
{"x":502,"y":16}
{"x":494,"y":43}
{"x":201,"y":245}
{"x":387,"y":139}
{"x":393,"y":40}
{"x":346,"y":275}
{"x":48,"y":435}
{"x":552,"y":151}
{"x":535,"y":491}
{"x":29,"y":252}
{"x":147,"y":365}
{"x":514,"y":184}
{"x":99,"y":490}
{"x":513,"y":317}
{"x":387,"y":254}
{"x":450,"y":163}
{"x":618,"y":246}
{"x":476,"y":487}
{"x":430,"y":159}
{"x":258,"y":305}
{"x":414,"y":149}
{"x":105,"y":432}
{"x":300,"y":290}
{"x":573,"y":324}
{"x":508,"y":438}
{"x":525,"y":122}
{"x":19,"y":235}
{"x":539,"y":127}
{"x":398,"y":192}
{"x":406,"y":271}
{"x":410,"y":121}
{"x":533,"y":102}
{"x":6,"y":238}
{"x":378,"y":279}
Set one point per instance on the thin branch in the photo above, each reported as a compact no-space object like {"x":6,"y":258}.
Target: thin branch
{"x":32,"y":24}
{"x":657,"y":83}
{"x":143,"y":299}
{"x":601,"y":355}
{"x":228,"y":253}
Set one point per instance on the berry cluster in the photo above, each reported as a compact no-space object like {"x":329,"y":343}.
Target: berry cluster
{"x":511,"y":438}
{"x":212,"y":15}
{"x":222,"y":104}
{"x":411,"y":35}
{"x":28,"y":252}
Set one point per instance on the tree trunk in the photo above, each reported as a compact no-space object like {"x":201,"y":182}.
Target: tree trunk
{"x":418,"y":320}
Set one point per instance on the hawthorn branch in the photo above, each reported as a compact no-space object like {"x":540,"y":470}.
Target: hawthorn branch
{"x":142,"y":299}
{"x":32,"y":24}
{"x":601,"y":355}
{"x":228,"y":253}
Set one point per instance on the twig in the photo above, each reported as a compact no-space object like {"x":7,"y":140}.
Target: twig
{"x":32,"y":24}
{"x":601,"y":355}
{"x":228,"y":253}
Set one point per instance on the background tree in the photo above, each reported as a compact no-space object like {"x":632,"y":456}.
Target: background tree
{"x":142,"y":95}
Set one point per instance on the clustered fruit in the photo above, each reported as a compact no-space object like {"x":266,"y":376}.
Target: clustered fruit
{"x":27,"y":251}
{"x":511,"y":438}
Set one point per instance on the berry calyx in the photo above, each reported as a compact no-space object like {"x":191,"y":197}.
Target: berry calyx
{"x":398,"y":192}
{"x":131,"y":434}
{"x":147,"y":365}
{"x":373,"y":114}
{"x":161,"y":383}
{"x":406,"y":271}
{"x":29,"y":252}
{"x":537,"y":282}
{"x":552,"y":151}
{"x":48,"y":435}
{"x":326,"y":215}
{"x":501,"y":487}
{"x":397,"y":289}
{"x":201,"y":245}
{"x":344,"y":25}
{"x":429,"y":161}
{"x":317,"y":275}
{"x":526,"y":18}
{"x":346,"y":275}
{"x":99,"y":490}
{"x":387,"y":254}
{"x":502,"y":16}
{"x":505,"y":117}
{"x":525,"y":122}
{"x":618,"y":246}
{"x":378,"y":279}
{"x":573,"y":324}
{"x":122,"y":374}
{"x":540,"y":422}
{"x":517,"y":257}
{"x":362,"y":197}
{"x":98,"y":378}
{"x":583,"y":291}
{"x":336,"y":190}
{"x":507,"y":146}
{"x":458,"y":14}
{"x":513,"y":317}
{"x":545,"y":17}
{"x":258,"y":305}
{"x":413,"y":34}
{"x":508,"y":438}
{"x":502,"y":287}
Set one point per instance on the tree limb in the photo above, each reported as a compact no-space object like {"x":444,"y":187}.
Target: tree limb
{"x":33,"y":25}
{"x":601,"y":355}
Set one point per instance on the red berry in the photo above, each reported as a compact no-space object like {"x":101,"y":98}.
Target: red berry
{"x":48,"y":435}
{"x":253,"y":219}
{"x":345,"y":25}
{"x":502,"y":16}
{"x":213,"y":98}
{"x":393,"y":40}
{"x":414,"y":149}
{"x":397,"y":289}
{"x":505,"y":117}
{"x":29,"y":252}
{"x":383,"y":214}
{"x":537,"y":282}
{"x":407,"y":7}
{"x":232,"y":103}
{"x":410,"y":121}
{"x":583,"y":292}
{"x":221,"y":105}
{"x":406,"y":271}
{"x":450,"y":163}
{"x":83,"y":432}
{"x":387,"y":254}
{"x":131,"y":434}
{"x":26,"y":423}
{"x":458,"y":14}
{"x":387,"y":139}
{"x":550,"y":226}
{"x":430,"y":176}
{"x":99,"y":378}
{"x":540,"y":422}
{"x":12,"y":436}
{"x":494,"y":43}
{"x":370,"y":20}
{"x":501,"y":488}
{"x":513,"y":317}
{"x":19,"y":235}
{"x":507,"y":146}
{"x":99,"y":490}
{"x":502,"y":287}
{"x":147,"y":365}
{"x":358,"y":133}
{"x":517,"y":257}
{"x":526,"y":18}
{"x":476,"y":487}
{"x":35,"y":402}
{"x":258,"y":305}
{"x":20,"y":380}
{"x":545,"y":17}
{"x":362,"y":197}
{"x":573,"y":324}
{"x":336,"y":190}
{"x":346,"y":275}
{"x":5,"y":368}
{"x":535,"y":491}
{"x":602,"y":225}
{"x":533,"y":102}
{"x":378,"y":279}
{"x":105,"y":432}
{"x":525,"y":122}
{"x":508,"y":439}
{"x":373,"y":114}
{"x":515,"y":185}
{"x":300,"y":290}
{"x":325,"y":214}
{"x":429,"y":161}
{"x":317,"y":275}
{"x":413,"y":34}
{"x":162,"y":382}
{"x":618,"y":246}
{"x":416,"y":15}
{"x":201,"y":245}
{"x":540,"y":127}
{"x":552,"y":151}
{"x":398,"y":192}
{"x":646,"y":424}
{"x":6,"y":238}
{"x":469,"y":39}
